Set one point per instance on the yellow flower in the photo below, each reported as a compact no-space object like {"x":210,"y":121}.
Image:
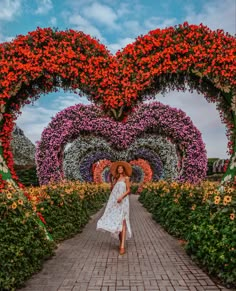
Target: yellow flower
{"x":232,"y":216}
{"x":14,"y":205}
{"x":9,"y":196}
{"x":217,"y":199}
{"x":227,"y":199}
{"x":20,"y":202}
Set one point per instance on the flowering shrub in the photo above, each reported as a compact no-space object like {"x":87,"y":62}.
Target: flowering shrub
{"x":201,"y":215}
{"x":24,"y":244}
{"x":67,"y":206}
{"x":159,"y":61}
{"x":154,"y":118}
{"x":62,"y":208}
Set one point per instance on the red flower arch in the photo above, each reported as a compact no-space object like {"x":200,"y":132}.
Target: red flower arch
{"x":45,"y":59}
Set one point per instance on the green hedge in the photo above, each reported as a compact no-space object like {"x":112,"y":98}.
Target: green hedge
{"x":66,"y":215}
{"x":23,"y":242}
{"x":192,"y":214}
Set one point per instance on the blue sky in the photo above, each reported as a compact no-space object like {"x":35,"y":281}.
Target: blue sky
{"x":117,"y":23}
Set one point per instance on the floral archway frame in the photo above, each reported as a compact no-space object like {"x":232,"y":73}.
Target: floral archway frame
{"x":154,"y":118}
{"x":46,"y":59}
{"x":160,"y":153}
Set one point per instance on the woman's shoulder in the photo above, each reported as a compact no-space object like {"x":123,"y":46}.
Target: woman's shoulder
{"x":127,"y":178}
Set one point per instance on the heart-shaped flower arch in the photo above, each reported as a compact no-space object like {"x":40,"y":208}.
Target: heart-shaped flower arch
{"x":154,"y":118}
{"x":46,"y":59}
{"x":159,"y":152}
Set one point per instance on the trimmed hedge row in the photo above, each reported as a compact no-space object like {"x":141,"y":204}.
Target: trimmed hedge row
{"x":202,"y":216}
{"x":23,"y":236}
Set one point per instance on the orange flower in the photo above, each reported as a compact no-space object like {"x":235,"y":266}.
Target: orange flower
{"x":232,"y":216}
{"x":227,"y":199}
{"x":14,"y":205}
{"x":217,"y":199}
{"x":20,"y":202}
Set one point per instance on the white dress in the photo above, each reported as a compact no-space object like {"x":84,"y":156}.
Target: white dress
{"x":115,"y":212}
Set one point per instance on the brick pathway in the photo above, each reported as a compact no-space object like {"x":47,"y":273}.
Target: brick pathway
{"x":90,"y":261}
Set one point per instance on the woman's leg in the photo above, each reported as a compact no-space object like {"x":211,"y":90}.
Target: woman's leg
{"x":123,"y":233}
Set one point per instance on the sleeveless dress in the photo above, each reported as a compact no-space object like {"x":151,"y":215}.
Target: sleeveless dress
{"x":112,"y":218}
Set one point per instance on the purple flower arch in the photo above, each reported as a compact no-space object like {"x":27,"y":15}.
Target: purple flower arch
{"x":152,"y":158}
{"x":88,"y":161}
{"x":154,"y":118}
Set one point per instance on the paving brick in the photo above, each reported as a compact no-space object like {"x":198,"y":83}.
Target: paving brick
{"x":90,"y":261}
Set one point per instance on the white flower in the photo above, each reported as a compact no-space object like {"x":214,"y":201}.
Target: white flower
{"x":5,"y":169}
{"x":227,"y":178}
{"x":233,"y":163}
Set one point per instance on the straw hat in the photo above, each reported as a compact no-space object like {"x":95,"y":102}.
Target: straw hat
{"x":115,"y":165}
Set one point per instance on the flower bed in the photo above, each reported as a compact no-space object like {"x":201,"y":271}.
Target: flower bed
{"x":202,"y":216}
{"x":67,"y":206}
{"x":64,"y":207}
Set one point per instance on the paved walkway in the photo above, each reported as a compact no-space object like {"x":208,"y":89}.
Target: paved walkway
{"x":90,"y":261}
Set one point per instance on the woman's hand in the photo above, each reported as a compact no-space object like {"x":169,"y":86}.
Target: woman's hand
{"x":119,"y":199}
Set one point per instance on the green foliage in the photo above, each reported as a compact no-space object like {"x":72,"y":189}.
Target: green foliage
{"x":210,"y":163}
{"x":206,"y":223}
{"x":67,"y":214}
{"x":134,"y":188}
{"x":24,"y":245}
{"x":28,"y":177}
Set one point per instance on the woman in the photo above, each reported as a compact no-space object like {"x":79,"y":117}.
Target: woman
{"x":116,"y":215}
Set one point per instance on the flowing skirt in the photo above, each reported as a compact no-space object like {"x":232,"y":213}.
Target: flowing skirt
{"x":115,"y":213}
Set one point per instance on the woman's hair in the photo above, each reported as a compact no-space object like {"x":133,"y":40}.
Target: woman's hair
{"x":117,"y":174}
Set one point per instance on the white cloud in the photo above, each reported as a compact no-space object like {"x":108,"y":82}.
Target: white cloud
{"x":102,"y":14}
{"x":9,"y":9}
{"x":44,"y":6}
{"x":204,"y":116}
{"x":215,"y":14}
{"x":53,"y":21}
{"x":123,"y":9}
{"x":133,"y":27}
{"x":65,"y":101}
{"x":158,"y":22}
{"x":82,"y":24}
{"x":114,"y":47}
{"x":4,"y":38}
{"x":35,"y":118}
